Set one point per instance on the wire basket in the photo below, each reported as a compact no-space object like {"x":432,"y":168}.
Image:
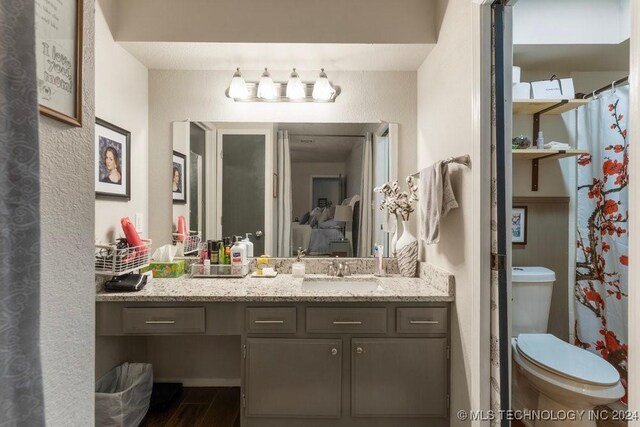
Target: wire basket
{"x":110,"y":260}
{"x":219,"y":270}
{"x":191,"y":242}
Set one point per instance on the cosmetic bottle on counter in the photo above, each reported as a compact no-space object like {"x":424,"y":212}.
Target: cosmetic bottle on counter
{"x":249,"y":245}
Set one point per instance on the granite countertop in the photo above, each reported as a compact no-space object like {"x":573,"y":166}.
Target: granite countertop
{"x":433,"y":285}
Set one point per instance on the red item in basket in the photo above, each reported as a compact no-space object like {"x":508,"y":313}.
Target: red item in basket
{"x":134,"y":240}
{"x":130,"y":232}
{"x":182,"y":229}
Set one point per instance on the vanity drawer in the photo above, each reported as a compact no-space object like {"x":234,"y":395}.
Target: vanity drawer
{"x":271,"y":320}
{"x":420,"y":320}
{"x":328,"y":320}
{"x":163,"y":320}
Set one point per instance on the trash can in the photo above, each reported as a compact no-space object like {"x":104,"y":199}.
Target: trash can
{"x":123,"y":395}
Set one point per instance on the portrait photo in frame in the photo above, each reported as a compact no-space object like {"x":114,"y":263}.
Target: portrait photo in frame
{"x":59,"y":29}
{"x":112,"y":161}
{"x":519,"y":225}
{"x":178,"y":178}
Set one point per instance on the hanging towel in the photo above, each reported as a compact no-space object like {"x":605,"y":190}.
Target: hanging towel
{"x":436,"y":200}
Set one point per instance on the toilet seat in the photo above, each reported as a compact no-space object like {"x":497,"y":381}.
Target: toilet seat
{"x":557,"y":356}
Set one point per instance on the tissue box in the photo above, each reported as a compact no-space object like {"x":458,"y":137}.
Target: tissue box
{"x":165,"y":270}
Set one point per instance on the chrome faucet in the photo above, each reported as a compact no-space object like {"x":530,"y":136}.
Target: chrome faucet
{"x":338,"y":268}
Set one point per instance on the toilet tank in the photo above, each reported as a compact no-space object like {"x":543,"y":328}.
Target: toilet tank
{"x":531,"y":292}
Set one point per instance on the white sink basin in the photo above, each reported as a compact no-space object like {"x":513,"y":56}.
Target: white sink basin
{"x":341,"y":284}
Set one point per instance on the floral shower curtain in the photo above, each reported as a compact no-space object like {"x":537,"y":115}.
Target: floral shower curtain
{"x":602,"y":249}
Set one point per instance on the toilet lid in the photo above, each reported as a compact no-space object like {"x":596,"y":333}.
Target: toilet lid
{"x":549,"y":352}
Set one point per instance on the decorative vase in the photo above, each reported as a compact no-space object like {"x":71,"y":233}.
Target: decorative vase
{"x":407,"y":250}
{"x":394,"y":237}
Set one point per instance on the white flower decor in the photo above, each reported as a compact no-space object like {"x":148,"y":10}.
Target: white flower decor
{"x":396,"y":202}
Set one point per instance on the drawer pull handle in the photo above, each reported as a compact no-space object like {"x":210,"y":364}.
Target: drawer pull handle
{"x":334,"y":351}
{"x":269,"y":322}
{"x":347,"y":322}
{"x":359,"y":350}
{"x":424,"y":322}
{"x":160,"y":322}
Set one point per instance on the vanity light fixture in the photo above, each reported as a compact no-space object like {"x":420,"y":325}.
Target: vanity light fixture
{"x":266,"y":87}
{"x":295,"y":88}
{"x":322,"y":89}
{"x":238,"y":87}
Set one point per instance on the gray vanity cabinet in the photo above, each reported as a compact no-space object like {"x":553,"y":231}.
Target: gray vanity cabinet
{"x":293,"y":377}
{"x":399,"y":377}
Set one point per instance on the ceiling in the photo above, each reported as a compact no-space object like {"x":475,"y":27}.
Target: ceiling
{"x":279,"y":56}
{"x":590,"y":57}
{"x":322,"y":142}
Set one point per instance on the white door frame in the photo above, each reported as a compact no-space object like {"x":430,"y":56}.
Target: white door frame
{"x":268,"y":182}
{"x":481,"y":170}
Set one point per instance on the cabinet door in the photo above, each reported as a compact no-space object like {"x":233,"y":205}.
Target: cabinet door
{"x":399,"y":377}
{"x":293,"y":377}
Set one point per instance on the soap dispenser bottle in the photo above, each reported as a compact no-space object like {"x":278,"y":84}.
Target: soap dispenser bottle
{"x":297,"y":269}
{"x":238,"y":253}
{"x":248,"y":244}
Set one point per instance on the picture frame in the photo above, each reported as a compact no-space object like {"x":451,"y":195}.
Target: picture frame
{"x":112,"y":161}
{"x":519,"y":225}
{"x":178,"y":181}
{"x":59,"y":30}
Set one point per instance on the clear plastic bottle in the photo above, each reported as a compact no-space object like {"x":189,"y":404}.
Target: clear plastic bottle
{"x":540,"y":141}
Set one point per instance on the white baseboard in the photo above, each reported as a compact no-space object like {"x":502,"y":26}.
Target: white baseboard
{"x":201,"y":382}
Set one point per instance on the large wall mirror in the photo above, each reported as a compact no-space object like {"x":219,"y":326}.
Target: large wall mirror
{"x":287,"y":185}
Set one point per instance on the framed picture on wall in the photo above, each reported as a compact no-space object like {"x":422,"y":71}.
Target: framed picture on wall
{"x":59,"y":59}
{"x":112,"y":161}
{"x":178,"y":179}
{"x":519,"y":225}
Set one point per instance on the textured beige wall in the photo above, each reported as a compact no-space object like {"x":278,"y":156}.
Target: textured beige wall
{"x":278,"y":21}
{"x":445,"y":130}
{"x":67,"y":316}
{"x":199,"y":95}
{"x":122,"y":99}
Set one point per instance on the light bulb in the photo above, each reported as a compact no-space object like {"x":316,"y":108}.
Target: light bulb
{"x":238,"y":87}
{"x":266,"y":88}
{"x":322,"y":89}
{"x":295,"y":88}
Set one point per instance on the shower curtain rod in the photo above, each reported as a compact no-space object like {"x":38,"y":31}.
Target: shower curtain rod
{"x":607,"y":87}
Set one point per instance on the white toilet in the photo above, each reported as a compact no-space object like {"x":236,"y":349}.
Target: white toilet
{"x":549,"y":374}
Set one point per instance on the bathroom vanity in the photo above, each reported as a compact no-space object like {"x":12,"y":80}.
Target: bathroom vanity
{"x":311,"y":356}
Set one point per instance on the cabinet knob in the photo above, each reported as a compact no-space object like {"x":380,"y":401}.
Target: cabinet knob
{"x":359,"y":350}
{"x":334,"y":351}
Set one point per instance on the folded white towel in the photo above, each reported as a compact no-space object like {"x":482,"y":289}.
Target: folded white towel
{"x":555,"y":145}
{"x":436,"y":200}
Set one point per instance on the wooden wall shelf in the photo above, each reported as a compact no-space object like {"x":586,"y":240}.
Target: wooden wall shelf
{"x":546,"y":106}
{"x":532,"y":153}
{"x":537,"y":108}
{"x":535,"y":155}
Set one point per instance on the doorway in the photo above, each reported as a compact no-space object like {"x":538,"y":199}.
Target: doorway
{"x":326,"y":191}
{"x":548,"y":187}
{"x":245,"y":186}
